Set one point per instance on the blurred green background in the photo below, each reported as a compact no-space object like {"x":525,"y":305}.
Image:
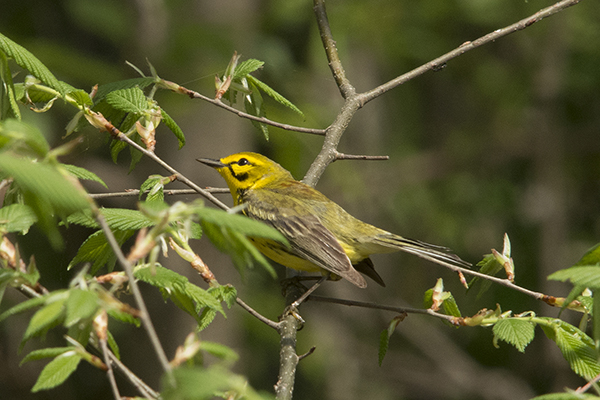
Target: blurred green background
{"x":506,"y":138}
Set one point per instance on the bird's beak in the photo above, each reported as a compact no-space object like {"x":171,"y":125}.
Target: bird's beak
{"x":211,"y":162}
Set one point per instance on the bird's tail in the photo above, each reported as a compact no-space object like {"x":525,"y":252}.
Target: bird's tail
{"x":437,"y":254}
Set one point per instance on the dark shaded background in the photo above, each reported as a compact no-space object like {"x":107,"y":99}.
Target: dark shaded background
{"x":504,"y":139}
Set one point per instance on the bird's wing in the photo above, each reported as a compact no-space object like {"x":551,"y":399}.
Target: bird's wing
{"x":308,"y":237}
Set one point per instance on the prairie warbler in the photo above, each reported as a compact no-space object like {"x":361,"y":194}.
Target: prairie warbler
{"x":323,"y":237}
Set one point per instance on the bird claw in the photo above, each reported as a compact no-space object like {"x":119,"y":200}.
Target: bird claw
{"x":293,"y":311}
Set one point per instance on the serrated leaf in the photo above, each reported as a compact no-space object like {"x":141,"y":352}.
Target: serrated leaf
{"x":172,"y":125}
{"x":254,"y":105}
{"x":121,"y":219}
{"x":226,"y":293}
{"x":45,"y":318}
{"x":49,"y":352}
{"x":123,"y":317}
{"x":513,"y":331}
{"x":16,"y":218}
{"x":81,"y":97}
{"x":57,"y":371}
{"x":384,"y":341}
{"x":591,"y":257}
{"x":46,"y":191}
{"x":274,"y":95}
{"x":31,"y":303}
{"x":82,"y":173}
{"x":247,"y":67}
{"x":187,"y":296}
{"x":22,"y":138}
{"x":240,"y":223}
{"x":29,"y":62}
{"x":81,"y":304}
{"x":105,"y":89}
{"x":586,"y":276}
{"x":112,"y":344}
{"x":576,"y":347}
{"x":9,"y":106}
{"x":96,"y":250}
{"x":128,"y":100}
{"x":451,"y":307}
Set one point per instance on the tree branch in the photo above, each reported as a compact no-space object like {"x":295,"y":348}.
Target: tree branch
{"x":463,"y":48}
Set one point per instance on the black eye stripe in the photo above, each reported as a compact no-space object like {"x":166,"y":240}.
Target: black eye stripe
{"x":240,"y":177}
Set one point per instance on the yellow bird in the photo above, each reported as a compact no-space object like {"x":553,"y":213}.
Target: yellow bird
{"x":323,"y":236}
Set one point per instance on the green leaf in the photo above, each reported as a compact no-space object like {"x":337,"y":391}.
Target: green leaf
{"x":591,"y":257}
{"x":112,"y":343}
{"x":187,"y":296}
{"x":16,"y":218}
{"x":49,"y":352}
{"x":105,"y":89}
{"x":31,"y":303}
{"x":22,"y":138}
{"x":384,"y":338}
{"x":81,"y":304}
{"x":451,"y":307}
{"x":123,"y":317}
{"x":82,"y":173}
{"x":576,"y":347}
{"x":274,"y":95}
{"x":240,"y":224}
{"x":254,"y":105}
{"x":513,"y":331}
{"x":57,"y":371}
{"x":247,"y":67}
{"x":489,"y":266}
{"x":80,"y":96}
{"x":45,"y":318}
{"x":96,"y":250}
{"x":46,"y":191}
{"x":121,"y":219}
{"x":29,"y":62}
{"x":9,"y":106}
{"x":128,"y":100}
{"x":587,"y":276}
{"x":172,"y":125}
{"x":226,"y":293}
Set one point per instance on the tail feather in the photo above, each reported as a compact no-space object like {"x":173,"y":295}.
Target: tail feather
{"x":437,"y":254}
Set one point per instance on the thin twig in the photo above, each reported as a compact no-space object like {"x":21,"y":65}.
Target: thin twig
{"x":256,"y":314}
{"x":135,"y":290}
{"x":195,"y":95}
{"x":172,"y":192}
{"x":441,"y":61}
{"x":408,"y":310}
{"x":342,"y":156}
{"x":109,"y":371}
{"x":141,"y":386}
{"x":121,"y":136}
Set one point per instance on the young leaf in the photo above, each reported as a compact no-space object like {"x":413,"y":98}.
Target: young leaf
{"x":274,"y":95}
{"x":121,"y":219}
{"x":31,"y":303}
{"x":128,"y":100}
{"x":57,"y":371}
{"x":219,"y":350}
{"x":103,"y":90}
{"x":45,"y":318}
{"x":81,"y":304}
{"x":49,"y":352}
{"x":566,"y":396}
{"x":22,"y":138}
{"x":112,"y":343}
{"x":586,"y":276}
{"x":29,"y":62}
{"x":9,"y":106}
{"x":576,"y":347}
{"x":82,"y":173}
{"x":384,"y":338}
{"x":16,"y":218}
{"x":254,"y":105}
{"x":517,"y":332}
{"x":96,"y":250}
{"x":172,"y":125}
{"x":247,"y":67}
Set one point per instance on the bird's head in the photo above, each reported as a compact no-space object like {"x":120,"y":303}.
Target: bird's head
{"x":247,"y":170}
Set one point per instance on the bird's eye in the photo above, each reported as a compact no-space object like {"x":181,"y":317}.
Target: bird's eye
{"x":243,"y":161}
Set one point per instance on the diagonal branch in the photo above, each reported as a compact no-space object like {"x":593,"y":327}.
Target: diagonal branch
{"x":440,"y":62}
